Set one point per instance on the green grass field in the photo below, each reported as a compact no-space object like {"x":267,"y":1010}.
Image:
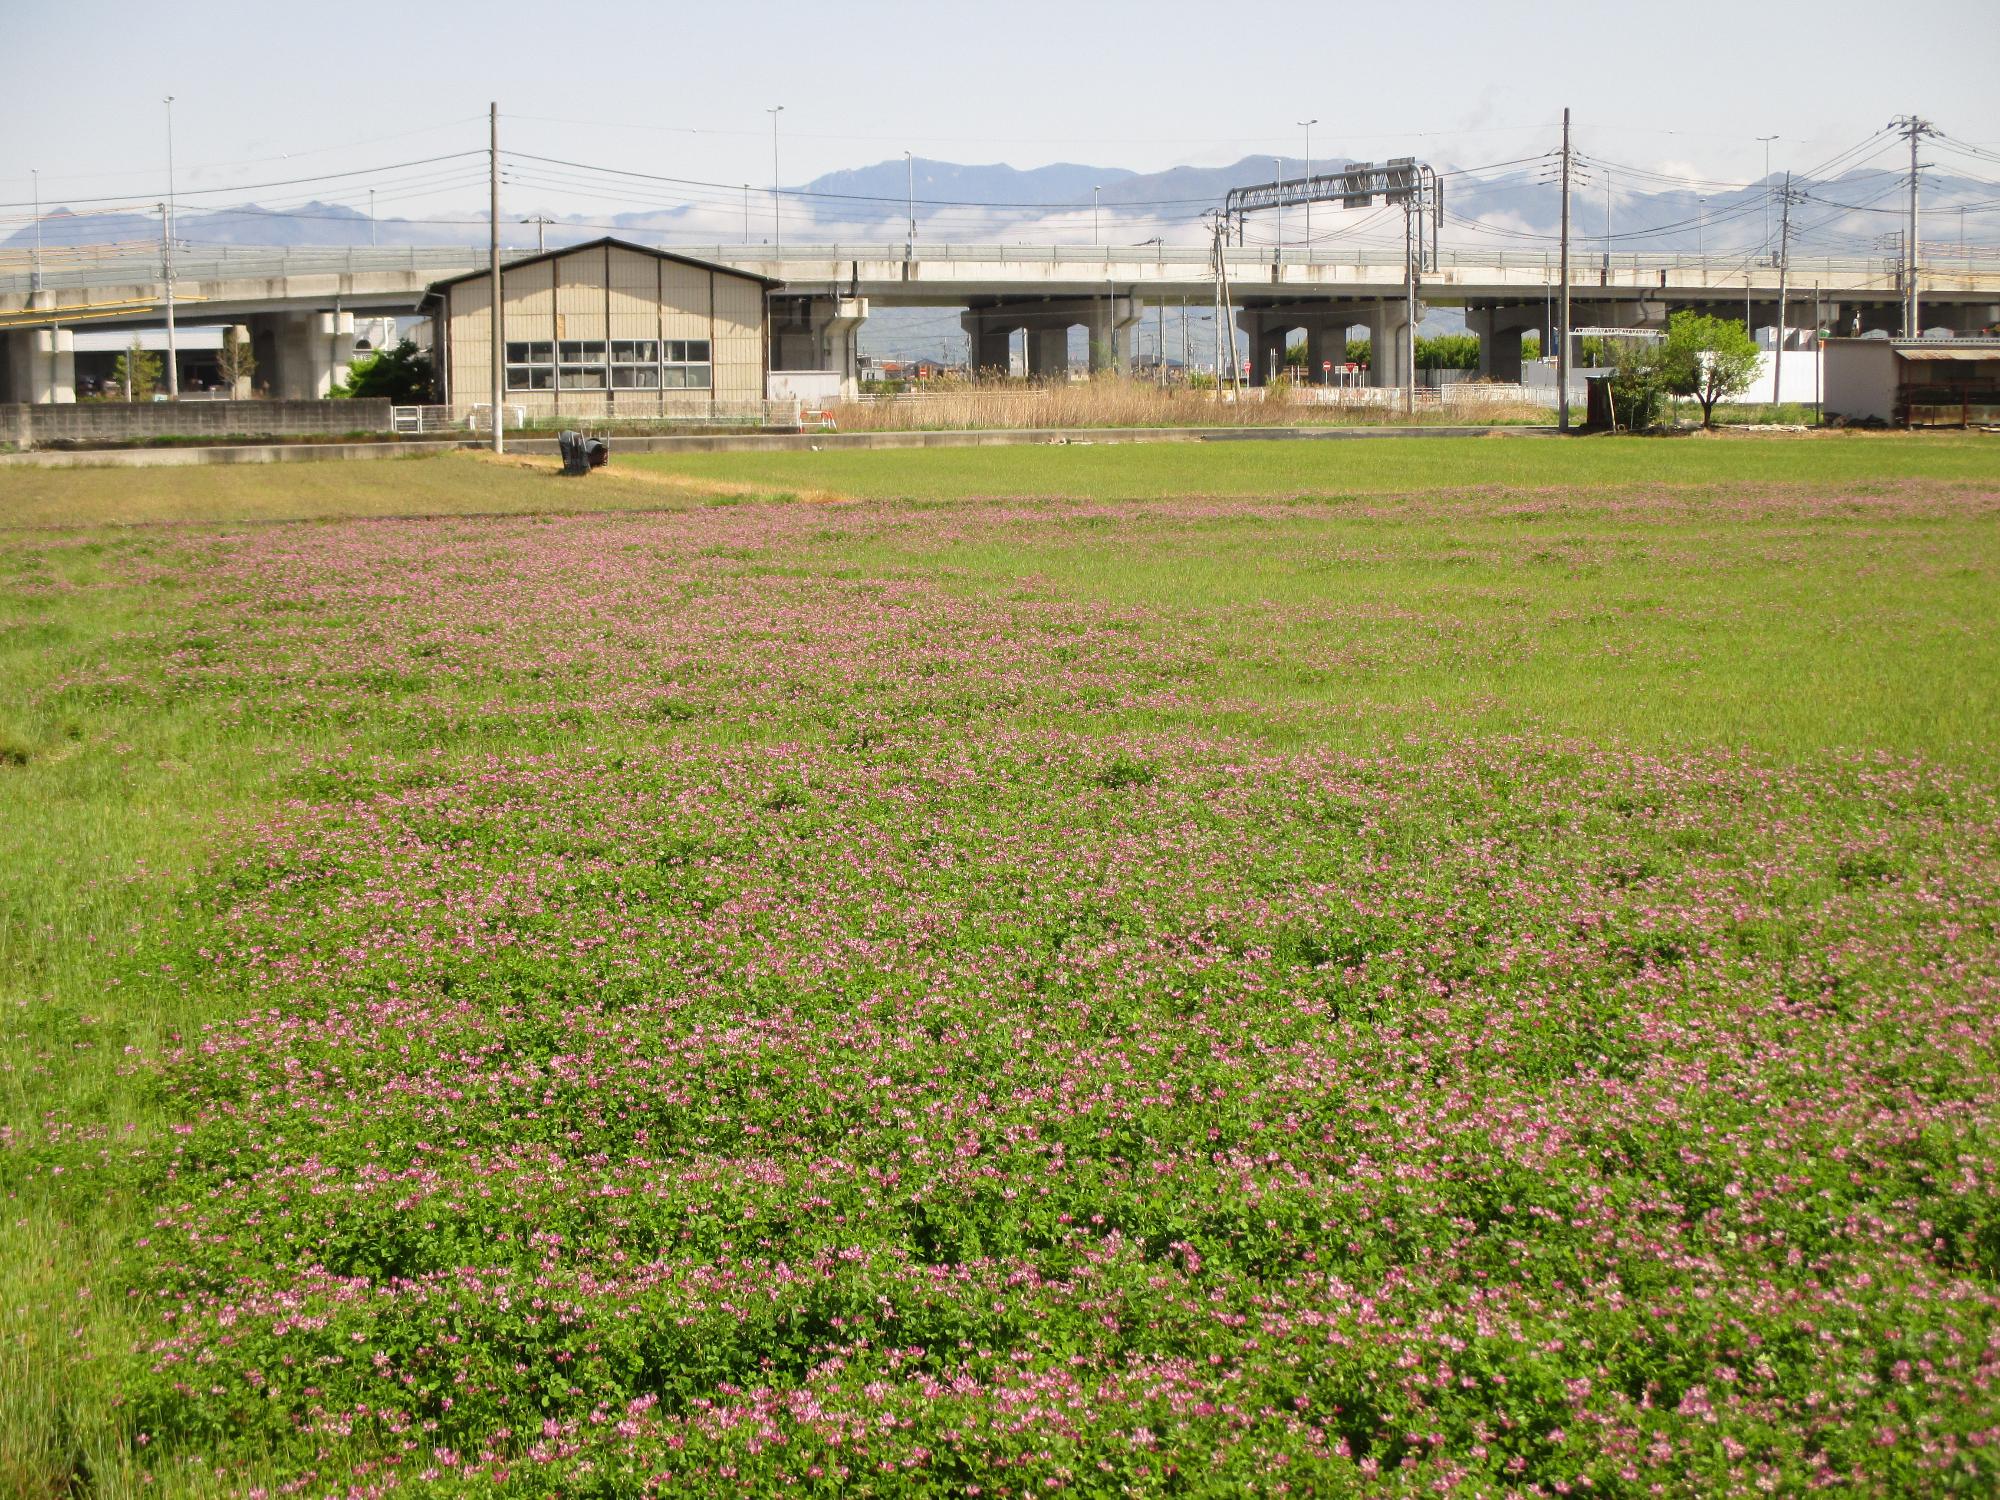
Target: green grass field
{"x":794,"y":972}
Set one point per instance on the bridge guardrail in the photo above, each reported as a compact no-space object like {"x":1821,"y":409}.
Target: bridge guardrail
{"x":128,"y":264}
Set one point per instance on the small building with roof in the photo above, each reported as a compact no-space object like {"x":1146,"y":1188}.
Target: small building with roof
{"x":605,"y":328}
{"x":1928,"y":382}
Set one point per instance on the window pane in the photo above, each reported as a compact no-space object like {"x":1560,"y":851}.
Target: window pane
{"x":517,"y":354}
{"x":517,"y":379}
{"x":697,"y":377}
{"x":544,"y":353}
{"x":697,"y":352}
{"x":635,"y":377}
{"x":635,"y":352}
{"x":583,"y":377}
{"x":673,"y":377}
{"x":582,"y":351}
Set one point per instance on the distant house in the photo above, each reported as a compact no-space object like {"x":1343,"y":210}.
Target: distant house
{"x":1913,"y":382}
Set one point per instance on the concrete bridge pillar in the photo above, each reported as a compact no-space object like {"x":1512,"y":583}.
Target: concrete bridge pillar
{"x":1499,"y":330}
{"x":990,"y":337}
{"x":40,"y":366}
{"x":1388,"y":354}
{"x":840,"y":339}
{"x":1048,"y":353}
{"x":1263,"y":341}
{"x":1111,"y":323}
{"x":302,"y":356}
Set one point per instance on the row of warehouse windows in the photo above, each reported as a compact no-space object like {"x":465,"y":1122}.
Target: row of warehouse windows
{"x":633,"y":365}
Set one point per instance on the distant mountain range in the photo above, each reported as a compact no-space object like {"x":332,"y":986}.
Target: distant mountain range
{"x":971,"y":203}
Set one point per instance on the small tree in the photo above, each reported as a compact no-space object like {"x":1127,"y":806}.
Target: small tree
{"x":1358,"y":351}
{"x":1638,"y":382}
{"x":137,"y":373}
{"x":1707,"y":358}
{"x":236,"y":363}
{"x":402,"y":374}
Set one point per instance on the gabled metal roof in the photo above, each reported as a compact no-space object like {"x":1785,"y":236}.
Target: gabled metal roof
{"x":601,"y":242}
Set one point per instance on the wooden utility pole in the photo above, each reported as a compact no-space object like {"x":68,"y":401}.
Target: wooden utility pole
{"x":493,"y":262}
{"x":1562,"y":342}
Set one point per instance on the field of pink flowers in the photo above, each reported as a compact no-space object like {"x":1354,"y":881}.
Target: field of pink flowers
{"x":698,"y":1022}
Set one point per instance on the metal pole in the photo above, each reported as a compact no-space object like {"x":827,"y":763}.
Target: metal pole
{"x":746,"y":213}
{"x":35,"y":281}
{"x":911,"y":162}
{"x":1309,"y":179}
{"x":1093,"y":214}
{"x":1562,"y":342}
{"x":1215,"y":248}
{"x":777,"y":233}
{"x":1819,"y":356}
{"x":1784,"y":267}
{"x":1767,"y":139}
{"x":167,"y":231}
{"x":1913,"y":324}
{"x":1411,"y":208}
{"x":1277,"y":175}
{"x":499,"y":326}
{"x":371,"y":217}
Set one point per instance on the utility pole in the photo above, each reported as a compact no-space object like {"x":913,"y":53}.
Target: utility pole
{"x":1562,"y":342}
{"x":541,"y":222}
{"x":1916,"y":128}
{"x":1784,"y":270}
{"x":1308,"y":124}
{"x":777,"y":234}
{"x":1225,"y":314}
{"x":1093,"y":214}
{"x":499,"y":327}
{"x":1160,"y":333}
{"x":1278,"y":176}
{"x":167,"y":245}
{"x":371,"y":218}
{"x":1412,"y":209}
{"x":911,"y":162}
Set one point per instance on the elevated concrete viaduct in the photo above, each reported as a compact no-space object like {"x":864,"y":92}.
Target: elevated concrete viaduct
{"x":297,"y":304}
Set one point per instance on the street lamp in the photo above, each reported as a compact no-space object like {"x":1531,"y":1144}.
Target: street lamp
{"x":167,"y":224}
{"x":911,"y":162}
{"x":1278,"y":176}
{"x":1308,"y":124}
{"x":777,"y":233}
{"x":35,"y":281}
{"x":1093,"y":214}
{"x":1767,"y":139}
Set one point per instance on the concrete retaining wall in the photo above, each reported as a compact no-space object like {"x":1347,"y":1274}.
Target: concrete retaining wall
{"x":121,"y":421}
{"x":740,"y":443}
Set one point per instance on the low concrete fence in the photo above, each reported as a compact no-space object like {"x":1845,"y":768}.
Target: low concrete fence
{"x":93,"y":422}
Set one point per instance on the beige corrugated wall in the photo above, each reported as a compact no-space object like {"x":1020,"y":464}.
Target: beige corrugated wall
{"x":627,"y":294}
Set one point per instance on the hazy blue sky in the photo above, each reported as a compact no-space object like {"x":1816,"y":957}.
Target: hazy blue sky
{"x":280,"y":90}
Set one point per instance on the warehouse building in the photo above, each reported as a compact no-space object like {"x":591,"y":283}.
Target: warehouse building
{"x":606,"y":328}
{"x":1932,"y":382}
